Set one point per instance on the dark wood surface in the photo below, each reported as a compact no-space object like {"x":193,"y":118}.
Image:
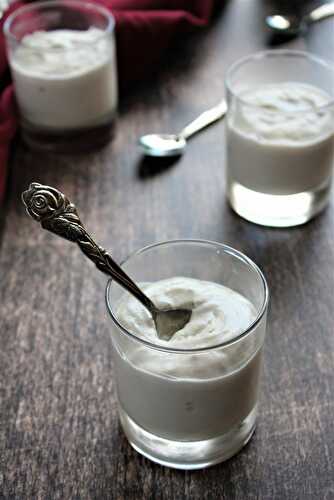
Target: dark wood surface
{"x":59,"y":433}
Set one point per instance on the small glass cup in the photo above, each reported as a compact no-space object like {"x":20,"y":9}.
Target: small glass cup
{"x":170,"y":414}
{"x":66,"y":90}
{"x":279,"y":174}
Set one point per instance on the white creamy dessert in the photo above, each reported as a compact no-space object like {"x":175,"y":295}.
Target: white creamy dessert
{"x":65,"y":79}
{"x":196,"y":396}
{"x":280,"y":138}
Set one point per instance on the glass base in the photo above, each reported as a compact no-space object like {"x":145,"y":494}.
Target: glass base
{"x":78,"y":141}
{"x":188,"y":455}
{"x":277,"y":210}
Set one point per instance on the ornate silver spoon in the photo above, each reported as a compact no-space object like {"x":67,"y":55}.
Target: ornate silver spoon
{"x":292,"y":25}
{"x":57,"y":214}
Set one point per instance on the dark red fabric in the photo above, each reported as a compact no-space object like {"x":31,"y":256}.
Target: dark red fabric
{"x":144,"y":30}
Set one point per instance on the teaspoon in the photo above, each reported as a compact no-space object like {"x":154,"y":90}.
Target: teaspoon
{"x":163,"y":145}
{"x":293,"y":25}
{"x":57,"y":214}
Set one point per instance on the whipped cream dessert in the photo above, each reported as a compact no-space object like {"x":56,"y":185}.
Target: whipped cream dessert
{"x":193,"y":396}
{"x":280,"y":138}
{"x":65,"y":79}
{"x":218,"y":313}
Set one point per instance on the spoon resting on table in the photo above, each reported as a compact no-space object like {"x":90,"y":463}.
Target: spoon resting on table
{"x":57,"y":214}
{"x":293,"y":25}
{"x":163,"y":145}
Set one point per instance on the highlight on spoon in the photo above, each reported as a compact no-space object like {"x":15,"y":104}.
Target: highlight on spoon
{"x":278,"y":22}
{"x":162,"y":144}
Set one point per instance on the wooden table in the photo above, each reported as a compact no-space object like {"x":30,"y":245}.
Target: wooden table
{"x":59,"y":433}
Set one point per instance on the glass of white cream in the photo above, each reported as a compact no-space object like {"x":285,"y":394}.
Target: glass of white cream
{"x":190,"y":402}
{"x":63,"y":64}
{"x":279,"y":136}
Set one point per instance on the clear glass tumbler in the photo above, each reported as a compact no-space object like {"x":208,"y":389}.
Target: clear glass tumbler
{"x":62,"y":59}
{"x":279,"y":136}
{"x":171,"y":413}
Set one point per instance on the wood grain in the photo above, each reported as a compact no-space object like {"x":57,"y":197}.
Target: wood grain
{"x":59,"y":433}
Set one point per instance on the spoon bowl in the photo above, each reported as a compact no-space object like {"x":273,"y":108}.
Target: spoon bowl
{"x":289,"y":25}
{"x":162,"y":144}
{"x":167,"y":323}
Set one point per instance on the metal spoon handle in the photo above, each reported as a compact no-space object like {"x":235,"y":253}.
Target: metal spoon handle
{"x":205,"y":119}
{"x":57,"y":214}
{"x":321,"y":12}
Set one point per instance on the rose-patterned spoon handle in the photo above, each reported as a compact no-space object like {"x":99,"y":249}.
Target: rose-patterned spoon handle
{"x":57,"y":214}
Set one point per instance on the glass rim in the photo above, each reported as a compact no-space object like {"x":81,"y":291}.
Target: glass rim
{"x":278,"y":53}
{"x":226,"y":343}
{"x":83,"y":4}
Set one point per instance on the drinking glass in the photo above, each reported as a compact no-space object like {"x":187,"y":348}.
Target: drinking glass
{"x":171,"y":412}
{"x":67,"y":90}
{"x":279,"y":174}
